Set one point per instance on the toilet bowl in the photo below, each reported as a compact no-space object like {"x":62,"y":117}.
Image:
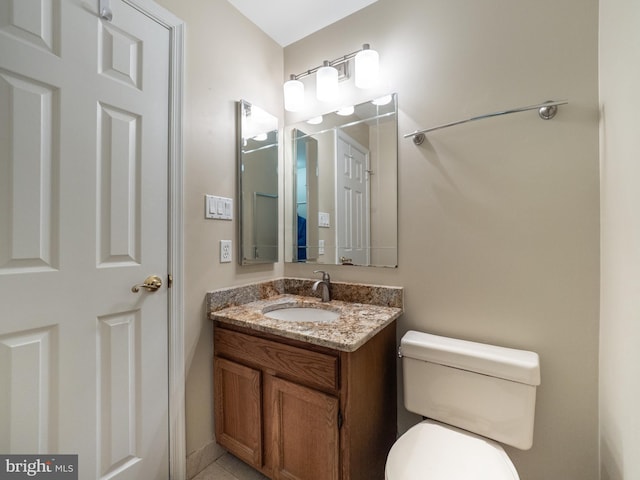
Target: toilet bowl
{"x":473,"y":395}
{"x":435,"y":451}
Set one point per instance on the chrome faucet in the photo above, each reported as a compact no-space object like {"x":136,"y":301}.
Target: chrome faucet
{"x":326,"y":283}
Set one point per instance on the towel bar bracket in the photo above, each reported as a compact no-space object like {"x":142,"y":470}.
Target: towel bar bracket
{"x":548,"y":112}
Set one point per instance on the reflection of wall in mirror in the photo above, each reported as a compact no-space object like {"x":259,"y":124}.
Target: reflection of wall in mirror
{"x":260,"y":175}
{"x":306,"y":197}
{"x":384,"y":198}
{"x":326,"y":193}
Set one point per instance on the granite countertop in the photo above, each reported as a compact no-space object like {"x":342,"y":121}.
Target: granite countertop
{"x":357,"y":323}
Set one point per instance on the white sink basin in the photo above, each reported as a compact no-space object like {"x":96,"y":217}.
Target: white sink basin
{"x":303,"y":314}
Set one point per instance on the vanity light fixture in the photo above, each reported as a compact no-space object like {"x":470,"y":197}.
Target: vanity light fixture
{"x":293,"y":94}
{"x":315,"y":120}
{"x":367,"y":67}
{"x":366,"y":76}
{"x":327,"y":83}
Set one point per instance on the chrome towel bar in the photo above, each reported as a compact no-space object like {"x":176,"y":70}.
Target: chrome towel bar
{"x":546,"y":110}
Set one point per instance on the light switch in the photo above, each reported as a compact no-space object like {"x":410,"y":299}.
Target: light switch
{"x":324,"y":220}
{"x":218,"y":208}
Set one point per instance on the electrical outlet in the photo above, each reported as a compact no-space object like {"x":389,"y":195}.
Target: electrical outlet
{"x":225,"y":251}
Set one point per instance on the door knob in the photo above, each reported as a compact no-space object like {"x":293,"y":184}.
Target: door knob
{"x":151,"y":283}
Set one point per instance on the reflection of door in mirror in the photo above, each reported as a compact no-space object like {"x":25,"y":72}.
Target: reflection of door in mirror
{"x":259,"y":199}
{"x":352,"y":201}
{"x":306,"y":155}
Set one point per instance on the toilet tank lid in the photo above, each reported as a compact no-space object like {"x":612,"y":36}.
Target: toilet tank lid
{"x":508,"y":363}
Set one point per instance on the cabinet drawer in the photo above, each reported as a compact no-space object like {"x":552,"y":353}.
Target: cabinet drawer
{"x":304,"y":366}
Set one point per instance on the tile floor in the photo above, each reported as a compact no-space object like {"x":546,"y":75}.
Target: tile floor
{"x":228,"y":467}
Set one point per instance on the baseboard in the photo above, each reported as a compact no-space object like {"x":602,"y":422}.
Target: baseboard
{"x":202,"y":458}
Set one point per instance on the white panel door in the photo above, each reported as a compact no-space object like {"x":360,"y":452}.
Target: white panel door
{"x":83,"y":218}
{"x":352,"y":201}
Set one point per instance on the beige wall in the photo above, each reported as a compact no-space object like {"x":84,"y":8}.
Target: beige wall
{"x":620,"y":220}
{"x":227,"y":58}
{"x":499,"y":219}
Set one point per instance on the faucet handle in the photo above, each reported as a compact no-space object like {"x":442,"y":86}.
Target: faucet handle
{"x":325,"y":275}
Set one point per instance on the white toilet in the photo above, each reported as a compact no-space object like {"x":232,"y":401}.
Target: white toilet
{"x":470,"y":393}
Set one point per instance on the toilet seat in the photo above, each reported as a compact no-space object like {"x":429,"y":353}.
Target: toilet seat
{"x":434,"y":451}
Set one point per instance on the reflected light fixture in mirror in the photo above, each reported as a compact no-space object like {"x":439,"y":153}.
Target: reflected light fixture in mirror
{"x":346,"y":111}
{"x":378,"y":102}
{"x":366,"y":76}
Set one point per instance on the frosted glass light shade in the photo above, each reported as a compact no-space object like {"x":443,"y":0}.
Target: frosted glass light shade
{"x":327,"y":83}
{"x":367,"y":67}
{"x":293,"y":95}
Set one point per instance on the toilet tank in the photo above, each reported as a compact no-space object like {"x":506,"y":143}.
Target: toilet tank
{"x":485,"y":389}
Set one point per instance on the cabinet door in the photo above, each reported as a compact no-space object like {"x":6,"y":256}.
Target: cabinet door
{"x":238,"y":411}
{"x":303,"y":426}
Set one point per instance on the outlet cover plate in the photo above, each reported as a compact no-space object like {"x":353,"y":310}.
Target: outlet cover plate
{"x":225,"y":251}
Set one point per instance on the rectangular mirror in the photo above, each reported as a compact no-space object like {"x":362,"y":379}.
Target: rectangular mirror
{"x":257,"y":185}
{"x":341,"y":203}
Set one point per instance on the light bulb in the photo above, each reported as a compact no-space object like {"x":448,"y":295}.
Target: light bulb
{"x":327,"y":83}
{"x":293,"y":95}
{"x":367,"y":67}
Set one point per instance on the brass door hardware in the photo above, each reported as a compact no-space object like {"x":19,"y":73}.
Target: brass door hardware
{"x":151,"y":283}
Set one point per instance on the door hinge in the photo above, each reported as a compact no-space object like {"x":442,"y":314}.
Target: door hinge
{"x":104,"y":8}
{"x":340,"y":419}
{"x":169,"y":281}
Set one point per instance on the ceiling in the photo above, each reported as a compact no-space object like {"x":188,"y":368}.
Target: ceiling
{"x":287,"y":21}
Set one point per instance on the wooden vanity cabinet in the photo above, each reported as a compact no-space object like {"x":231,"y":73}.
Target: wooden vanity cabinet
{"x":297,"y":411}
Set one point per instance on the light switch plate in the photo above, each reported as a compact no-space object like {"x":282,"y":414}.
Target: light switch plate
{"x":225,"y":251}
{"x":324,"y":220}
{"x":218,"y":208}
